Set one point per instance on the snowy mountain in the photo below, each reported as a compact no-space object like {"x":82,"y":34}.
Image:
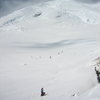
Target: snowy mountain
{"x":54,"y":45}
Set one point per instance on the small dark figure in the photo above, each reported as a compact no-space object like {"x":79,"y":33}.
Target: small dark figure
{"x":98,"y":75}
{"x":58,"y":53}
{"x":42,"y":92}
{"x":50,"y":57}
{"x":74,"y":95}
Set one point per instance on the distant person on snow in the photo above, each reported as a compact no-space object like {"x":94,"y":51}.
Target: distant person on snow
{"x":42,"y":92}
{"x":98,"y":75}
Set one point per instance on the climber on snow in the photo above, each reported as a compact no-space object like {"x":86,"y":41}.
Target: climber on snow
{"x":42,"y":92}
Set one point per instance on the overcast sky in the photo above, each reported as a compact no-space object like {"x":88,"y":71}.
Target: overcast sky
{"x":8,"y":6}
{"x":89,"y":1}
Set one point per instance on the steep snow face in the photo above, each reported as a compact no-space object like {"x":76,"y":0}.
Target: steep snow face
{"x":55,"y":16}
{"x":50,"y":45}
{"x":67,"y":11}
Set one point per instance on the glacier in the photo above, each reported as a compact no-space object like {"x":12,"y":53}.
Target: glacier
{"x":54,"y":45}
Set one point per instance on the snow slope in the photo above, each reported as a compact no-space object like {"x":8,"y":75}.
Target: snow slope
{"x":51,"y":45}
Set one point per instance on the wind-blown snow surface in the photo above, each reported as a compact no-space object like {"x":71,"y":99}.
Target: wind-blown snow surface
{"x":50,"y":45}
